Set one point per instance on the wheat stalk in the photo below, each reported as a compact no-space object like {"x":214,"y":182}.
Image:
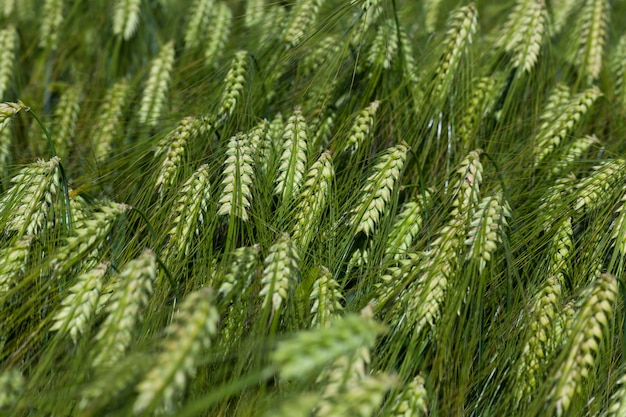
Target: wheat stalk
{"x":378,"y":190}
{"x":79,"y":307}
{"x":293,"y":159}
{"x":218,"y":34}
{"x":134,"y":288}
{"x":157,"y":85}
{"x":190,"y":333}
{"x":126,"y":18}
{"x":236,"y":194}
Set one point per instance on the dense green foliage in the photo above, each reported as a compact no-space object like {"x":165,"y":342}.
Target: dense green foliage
{"x":312,"y":208}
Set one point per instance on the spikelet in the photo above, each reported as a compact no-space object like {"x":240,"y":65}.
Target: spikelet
{"x":240,"y":273}
{"x":198,"y":21}
{"x":237,"y":178}
{"x":567,"y":117}
{"x":313,"y":201}
{"x":219,"y":32}
{"x":384,"y":47}
{"x":293,"y":159}
{"x":578,"y":361}
{"x":8,"y":41}
{"x":592,"y":37}
{"x":190,"y":333}
{"x":126,"y":18}
{"x":157,"y":85}
{"x":525,"y":32}
{"x":617,"y":403}
{"x":233,"y":85}
{"x":32,"y":197}
{"x":191,"y":210}
{"x":51,"y":24}
{"x":175,"y":145}
{"x":362,"y":127}
{"x":486,"y":229}
{"x":66,"y":116}
{"x":88,"y":237}
{"x":309,"y":351}
{"x":301,"y":19}
{"x":280,"y":272}
{"x":13,"y":262}
{"x":461,"y":28}
{"x":406,"y":228}
{"x":109,"y":119}
{"x":412,"y":401}
{"x":378,"y":190}
{"x":326,"y":298}
{"x":540,"y":343}
{"x":12,"y":387}
{"x":79,"y":307}
{"x":124,"y":310}
{"x":593,"y":191}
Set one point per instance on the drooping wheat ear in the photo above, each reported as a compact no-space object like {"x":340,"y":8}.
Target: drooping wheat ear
{"x":525,"y":33}
{"x":199,"y":16}
{"x":126,"y":18}
{"x":406,"y":228}
{"x":431,"y":14}
{"x":66,"y":116}
{"x":384,"y":48}
{"x":240,"y":272}
{"x":218,"y":34}
{"x":324,"y":129}
{"x":617,"y":403}
{"x":109,"y":120}
{"x":561,"y":247}
{"x":553,"y":202}
{"x":559,"y":96}
{"x":368,"y":12}
{"x":578,"y":361}
{"x":234,"y":84}
{"x":487,"y":229}
{"x":461,"y":27}
{"x":594,"y":20}
{"x":561,"y":12}
{"x":293,"y":160}
{"x":190,"y":333}
{"x":618,"y":69}
{"x":478,"y":104}
{"x":8,"y":110}
{"x":79,"y":307}
{"x":593,"y":191}
{"x":191,"y":209}
{"x":51,"y":24}
{"x":465,"y":186}
{"x":255,"y":11}
{"x":313,"y":201}
{"x":409,"y":65}
{"x":280,"y":272}
{"x":378,"y":190}
{"x":302,"y":18}
{"x":12,"y":386}
{"x":572,"y":153}
{"x":273,"y":25}
{"x":237,"y":178}
{"x":124,"y":311}
{"x":564,"y":123}
{"x":327,"y":299}
{"x":89,"y":235}
{"x":540,"y":345}
{"x":309,"y":351}
{"x":362,"y":127}
{"x":13,"y":262}
{"x":32,"y":197}
{"x":157,"y":85}
{"x":619,"y":225}
{"x":175,"y":146}
{"x":6,"y":142}
{"x":8,"y":42}
{"x":412,"y":401}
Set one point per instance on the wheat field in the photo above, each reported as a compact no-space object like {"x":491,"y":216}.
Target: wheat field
{"x":312,"y":208}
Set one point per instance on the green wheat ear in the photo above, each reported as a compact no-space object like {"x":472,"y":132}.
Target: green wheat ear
{"x":126,"y":18}
{"x":153,"y":100}
{"x":293,"y":159}
{"x":237,"y":178}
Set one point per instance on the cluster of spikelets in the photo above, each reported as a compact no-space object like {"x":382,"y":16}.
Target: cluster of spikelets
{"x":312,"y":208}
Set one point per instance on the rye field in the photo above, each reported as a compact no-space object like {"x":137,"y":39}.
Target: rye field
{"x":312,"y":208}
